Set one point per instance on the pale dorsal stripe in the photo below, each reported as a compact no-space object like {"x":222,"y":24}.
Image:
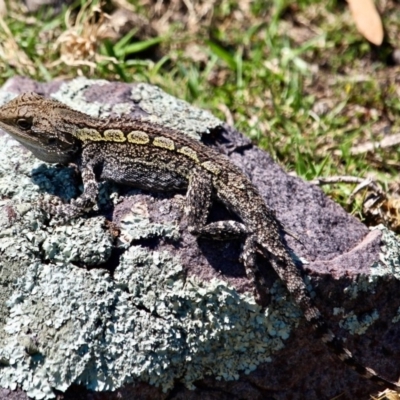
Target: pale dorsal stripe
{"x":211,"y":167}
{"x":188,"y":152}
{"x":88,"y":134}
{"x":138,"y":137}
{"x":163,"y":142}
{"x":114,"y":135}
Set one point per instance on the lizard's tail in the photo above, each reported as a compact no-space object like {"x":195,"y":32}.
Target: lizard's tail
{"x":291,"y":276}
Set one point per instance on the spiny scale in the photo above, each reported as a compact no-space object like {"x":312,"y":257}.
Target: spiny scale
{"x":150,"y":156}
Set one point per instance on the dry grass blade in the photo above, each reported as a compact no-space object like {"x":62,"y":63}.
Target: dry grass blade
{"x":228,"y":114}
{"x":387,"y":395}
{"x":386,"y":142}
{"x":366,"y":183}
{"x":195,"y":16}
{"x":3,"y":9}
{"x":367,"y":19}
{"x":124,"y":4}
{"x":12,"y":54}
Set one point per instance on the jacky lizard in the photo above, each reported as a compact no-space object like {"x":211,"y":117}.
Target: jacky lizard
{"x":149,"y":156}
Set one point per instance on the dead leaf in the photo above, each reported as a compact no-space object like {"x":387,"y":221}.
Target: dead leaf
{"x":367,"y":19}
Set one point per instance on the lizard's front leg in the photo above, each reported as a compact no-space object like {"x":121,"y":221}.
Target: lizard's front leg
{"x":77,"y":206}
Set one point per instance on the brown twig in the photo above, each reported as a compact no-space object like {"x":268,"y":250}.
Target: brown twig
{"x":362,"y":184}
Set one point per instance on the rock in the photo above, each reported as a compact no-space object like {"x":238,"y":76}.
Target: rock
{"x":121,"y":303}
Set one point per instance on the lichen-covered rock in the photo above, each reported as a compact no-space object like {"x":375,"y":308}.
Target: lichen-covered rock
{"x":125,"y":303}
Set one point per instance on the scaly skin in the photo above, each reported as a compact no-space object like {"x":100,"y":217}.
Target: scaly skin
{"x":153,"y":157}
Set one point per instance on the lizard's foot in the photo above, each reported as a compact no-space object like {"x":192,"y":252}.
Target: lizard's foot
{"x":253,"y":272}
{"x":61,"y":212}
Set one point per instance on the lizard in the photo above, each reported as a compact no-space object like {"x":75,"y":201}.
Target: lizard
{"x":149,"y":156}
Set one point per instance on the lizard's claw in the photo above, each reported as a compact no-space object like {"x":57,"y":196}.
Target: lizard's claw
{"x":59,"y":211}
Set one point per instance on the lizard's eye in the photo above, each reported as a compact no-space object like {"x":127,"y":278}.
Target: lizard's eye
{"x":24,"y":124}
{"x":51,"y":141}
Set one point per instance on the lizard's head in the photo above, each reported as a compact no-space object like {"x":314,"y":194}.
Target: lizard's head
{"x":32,"y":120}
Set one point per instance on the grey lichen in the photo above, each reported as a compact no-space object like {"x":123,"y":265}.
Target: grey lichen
{"x":358,"y":325}
{"x":161,"y":107}
{"x":396,"y":318}
{"x":363,"y":284}
{"x":61,"y":323}
{"x":388,"y":265}
{"x":83,"y":322}
{"x":181,"y":115}
{"x":6,"y":96}
{"x":72,"y":93}
{"x":136,"y":224}
{"x":197,"y":328}
{"x":69,"y":243}
{"x":390,"y":255}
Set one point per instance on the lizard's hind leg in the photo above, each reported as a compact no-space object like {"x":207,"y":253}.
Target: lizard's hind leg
{"x":197,"y":208}
{"x":198,"y":202}
{"x":249,"y":258}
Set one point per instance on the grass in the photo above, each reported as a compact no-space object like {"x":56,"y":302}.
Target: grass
{"x":297,"y":78}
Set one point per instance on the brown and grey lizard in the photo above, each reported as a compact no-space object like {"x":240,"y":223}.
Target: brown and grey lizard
{"x":149,"y":156}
